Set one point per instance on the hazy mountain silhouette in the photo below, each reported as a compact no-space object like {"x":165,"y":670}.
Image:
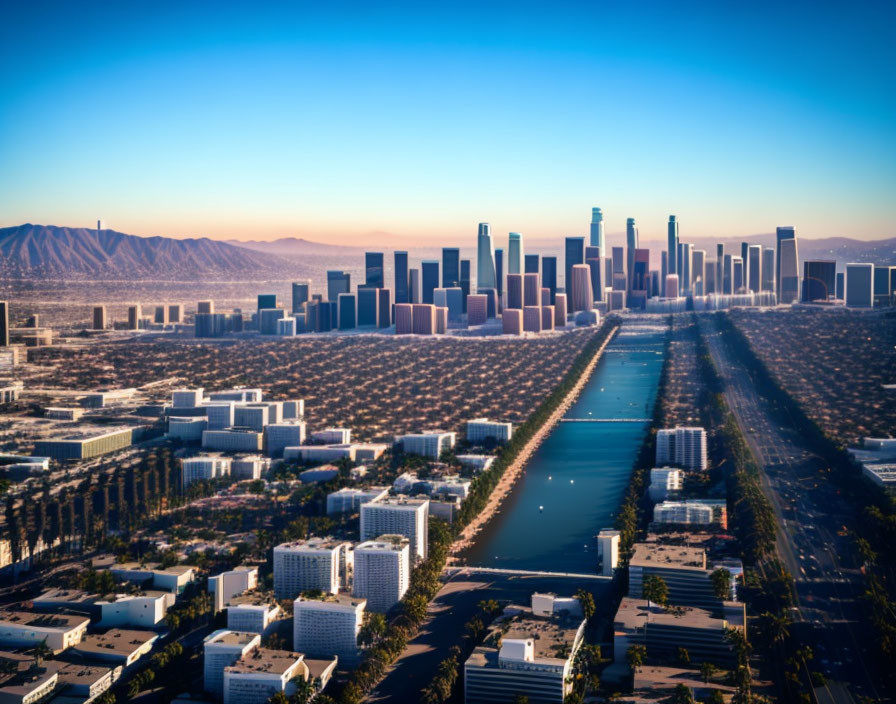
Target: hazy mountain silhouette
{"x":33,"y":251}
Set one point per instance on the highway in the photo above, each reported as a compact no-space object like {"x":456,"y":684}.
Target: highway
{"x":812,"y":540}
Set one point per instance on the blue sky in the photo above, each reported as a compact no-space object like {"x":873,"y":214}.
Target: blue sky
{"x":341,"y":121}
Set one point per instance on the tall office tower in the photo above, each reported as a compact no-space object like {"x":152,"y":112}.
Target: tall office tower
{"x":515,"y":253}
{"x":402,"y":294}
{"x":404,"y":318}
{"x":175,"y":313}
{"x":639,"y":279}
{"x":575,"y":254}
{"x":414,"y":286}
{"x":531,"y":264}
{"x":685,"y":447}
{"x":398,"y":515}
{"x":384,"y":306}
{"x":631,"y":243}
{"x":720,"y":268}
{"x":549,"y":275}
{"x":161,"y":315}
{"x":654,"y":283}
{"x":684,"y":265}
{"x":465,"y":285}
{"x":664,"y":265}
{"x":267,"y":320}
{"x":514,"y":291}
{"x":316,"y":563}
{"x":597,"y":229}
{"x":337,"y":282}
{"x":368,"y":311}
{"x":499,"y":272}
{"x":727,"y":275}
{"x":382,"y":571}
{"x":531,"y":289}
{"x":429,"y":279}
{"x":737,"y":275}
{"x":608,"y":551}
{"x":859,"y":285}
{"x":374,"y":269}
{"x":768,"y":269}
{"x":580,"y":295}
{"x":135,"y":312}
{"x":819,"y":280}
{"x":698,"y":272}
{"x":672,"y":248}
{"x":207,"y":306}
{"x":881,"y":289}
{"x":267,"y":300}
{"x":593,"y":260}
{"x":99,"y":317}
{"x":347,"y":317}
{"x":745,"y":257}
{"x":485,"y":258}
{"x":709,"y":277}
{"x":787,"y":266}
{"x":619,"y":282}
{"x":301,"y":292}
{"x":671,"y":288}
{"x":326,"y":627}
{"x":560,"y":310}
{"x":450,"y":267}
{"x":841,"y":285}
{"x":754,"y":268}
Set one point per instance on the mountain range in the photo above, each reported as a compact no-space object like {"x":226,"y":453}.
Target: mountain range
{"x":46,"y":251}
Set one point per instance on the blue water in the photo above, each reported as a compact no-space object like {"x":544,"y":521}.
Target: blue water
{"x":574,"y":483}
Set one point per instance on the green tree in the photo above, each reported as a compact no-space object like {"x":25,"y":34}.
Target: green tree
{"x":656,"y":591}
{"x":683,"y":656}
{"x":635,"y":656}
{"x":586,"y":599}
{"x":715,"y":697}
{"x":682,"y":695}
{"x":373,"y":629}
{"x":707,"y":670}
{"x":721,"y":583}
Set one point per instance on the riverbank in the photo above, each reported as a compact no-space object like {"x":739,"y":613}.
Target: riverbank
{"x":467,"y":537}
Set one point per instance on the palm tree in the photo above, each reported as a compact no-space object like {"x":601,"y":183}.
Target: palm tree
{"x":656,"y":591}
{"x":776,"y":626}
{"x":586,"y":599}
{"x":682,"y":695}
{"x":721,"y":583}
{"x":707,"y":670}
{"x":635,"y":656}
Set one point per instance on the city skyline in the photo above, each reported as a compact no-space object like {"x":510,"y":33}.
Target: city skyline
{"x":412,"y":125}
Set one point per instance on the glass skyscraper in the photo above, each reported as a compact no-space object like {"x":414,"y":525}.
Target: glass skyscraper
{"x":597,"y":230}
{"x":515,"y":254}
{"x":373,"y":265}
{"x":499,"y":271}
{"x":301,"y":292}
{"x":531,"y":264}
{"x":575,"y":254}
{"x":429,"y":279}
{"x":549,"y":276}
{"x":450,"y":267}
{"x":673,"y":245}
{"x":486,"y":276}
{"x":401,"y":278}
{"x":631,"y":242}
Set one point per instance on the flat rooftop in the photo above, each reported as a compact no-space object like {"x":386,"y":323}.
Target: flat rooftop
{"x":400,"y":500}
{"x":275,"y":662}
{"x":77,"y":673}
{"x":327,"y":543}
{"x":67,"y":596}
{"x":341,"y":599}
{"x":25,"y":618}
{"x":116,"y":641}
{"x":670,"y":556}
{"x":548,"y":633}
{"x":634,"y":614}
{"x":231,"y":637}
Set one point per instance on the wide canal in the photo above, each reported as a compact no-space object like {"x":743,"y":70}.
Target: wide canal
{"x":575,"y":481}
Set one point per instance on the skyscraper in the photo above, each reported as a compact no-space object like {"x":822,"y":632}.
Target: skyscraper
{"x":672,"y":248}
{"x":684,"y":266}
{"x":373,"y":263}
{"x":450,"y":267}
{"x":768,"y":269}
{"x":860,"y":285}
{"x":465,"y":280}
{"x":301,"y":292}
{"x":549,"y":275}
{"x":99,"y":317}
{"x":754,"y":268}
{"x":337,"y":282}
{"x":597,"y":229}
{"x":575,"y":254}
{"x":580,"y":295}
{"x":698,"y":272}
{"x":787,"y":266}
{"x":414,"y":286}
{"x":593,"y":260}
{"x":401,"y":278}
{"x":720,"y":274}
{"x":819,"y":280}
{"x":737,"y":275}
{"x":639,"y":279}
{"x":744,"y":254}
{"x":515,"y":253}
{"x":429,"y":279}
{"x":531,"y":264}
{"x":266,"y":300}
{"x":631,"y":242}
{"x":499,"y":271}
{"x":619,"y":282}
{"x":485,"y":259}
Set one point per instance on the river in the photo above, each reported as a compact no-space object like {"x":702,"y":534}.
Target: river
{"x":575,"y":481}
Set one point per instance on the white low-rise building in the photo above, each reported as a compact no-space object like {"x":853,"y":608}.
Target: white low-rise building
{"x":316,"y":563}
{"x":222,"y":649}
{"x":382,"y":571}
{"x":257,"y":676}
{"x":480,"y":430}
{"x":146,"y":610}
{"x":168,"y":579}
{"x":664,"y":481}
{"x":328,"y":626}
{"x":252,"y":615}
{"x":116,"y":647}
{"x":683,"y":447}
{"x":332,"y":436}
{"x":205,"y":468}
{"x":233,"y":440}
{"x":429,"y":443}
{"x":187,"y":428}
{"x":398,"y":515}
{"x":349,"y":500}
{"x":22,"y":629}
{"x":480,"y":463}
{"x":249,"y":466}
{"x":279,"y":436}
{"x":223,"y":587}
{"x":310,"y":454}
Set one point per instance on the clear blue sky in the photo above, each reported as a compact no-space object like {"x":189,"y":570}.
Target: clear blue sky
{"x":334,"y":121}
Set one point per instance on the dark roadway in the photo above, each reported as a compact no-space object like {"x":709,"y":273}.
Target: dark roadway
{"x":811,"y":540}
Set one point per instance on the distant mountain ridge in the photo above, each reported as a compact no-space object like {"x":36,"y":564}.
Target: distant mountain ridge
{"x":32,"y":251}
{"x":292,"y":246}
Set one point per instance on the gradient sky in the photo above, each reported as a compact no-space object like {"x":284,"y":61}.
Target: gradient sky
{"x":336,"y":121}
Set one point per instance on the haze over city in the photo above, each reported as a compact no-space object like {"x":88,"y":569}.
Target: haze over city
{"x":351,"y":123}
